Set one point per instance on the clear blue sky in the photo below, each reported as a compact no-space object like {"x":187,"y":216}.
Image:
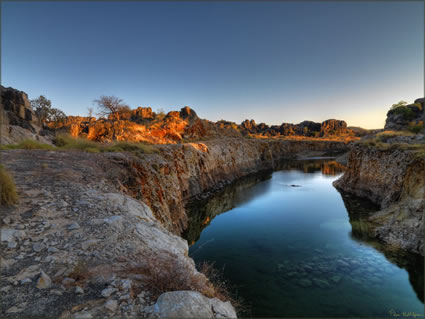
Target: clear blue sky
{"x":273,"y":62}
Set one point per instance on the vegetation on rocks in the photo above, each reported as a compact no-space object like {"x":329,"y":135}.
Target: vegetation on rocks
{"x":8,"y":194}
{"x":165,"y":272}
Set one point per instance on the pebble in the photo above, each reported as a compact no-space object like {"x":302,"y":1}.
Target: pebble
{"x":19,"y":234}
{"x":111,"y":305}
{"x":26,"y":281}
{"x":67,"y":281}
{"x":107,"y":292}
{"x":79,"y":290}
{"x":7,"y":234}
{"x":73,"y":226}
{"x":82,"y":315}
{"x":44,"y":281}
{"x":38,"y":247}
{"x":13,"y":309}
{"x":5,"y":289}
{"x":53,"y":250}
{"x":12,"y":244}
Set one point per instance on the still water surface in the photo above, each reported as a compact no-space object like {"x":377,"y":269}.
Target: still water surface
{"x":292,"y":246}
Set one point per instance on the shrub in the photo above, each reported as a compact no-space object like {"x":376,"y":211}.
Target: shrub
{"x":407,"y":112}
{"x":166,"y":272}
{"x":416,"y":127}
{"x":8,"y":195}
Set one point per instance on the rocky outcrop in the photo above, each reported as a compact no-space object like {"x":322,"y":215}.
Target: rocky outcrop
{"x":406,"y":116}
{"x":326,"y":129}
{"x":179,"y":173}
{"x":17,"y":119}
{"x":333,"y":127}
{"x":395,"y":180}
{"x":144,"y":125}
{"x":77,"y":247}
{"x":90,"y":226}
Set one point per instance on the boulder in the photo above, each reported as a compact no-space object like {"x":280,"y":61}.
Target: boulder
{"x":191,"y":304}
{"x":187,"y":113}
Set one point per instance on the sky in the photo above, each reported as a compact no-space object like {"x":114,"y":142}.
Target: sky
{"x":269,"y":61}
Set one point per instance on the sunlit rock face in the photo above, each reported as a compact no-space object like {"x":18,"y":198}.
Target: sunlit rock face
{"x":395,"y":180}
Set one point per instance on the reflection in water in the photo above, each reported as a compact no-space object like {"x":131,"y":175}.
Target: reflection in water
{"x":303,"y":251}
{"x":201,"y":212}
{"x":359,"y":211}
{"x":325,"y":166}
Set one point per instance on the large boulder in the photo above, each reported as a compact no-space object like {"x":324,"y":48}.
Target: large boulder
{"x":406,"y":116}
{"x":187,"y":113}
{"x":191,"y":304}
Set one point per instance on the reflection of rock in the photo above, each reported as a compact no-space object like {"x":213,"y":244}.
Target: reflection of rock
{"x":201,"y":212}
{"x":326,"y":166}
{"x":360,"y":212}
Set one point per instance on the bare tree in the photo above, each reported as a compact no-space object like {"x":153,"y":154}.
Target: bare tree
{"x":110,"y":104}
{"x":90,"y":111}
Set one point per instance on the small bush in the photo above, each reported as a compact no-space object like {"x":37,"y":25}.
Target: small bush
{"x":416,"y":127}
{"x":8,"y":195}
{"x":407,"y":112}
{"x":166,"y":272}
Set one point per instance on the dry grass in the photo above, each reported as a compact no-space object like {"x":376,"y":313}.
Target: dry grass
{"x":65,"y":142}
{"x":166,"y":272}
{"x":80,"y":272}
{"x":68,"y":142}
{"x":8,"y":194}
{"x":379,"y":141}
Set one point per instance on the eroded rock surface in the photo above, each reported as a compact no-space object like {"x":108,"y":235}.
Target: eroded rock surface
{"x":395,"y":180}
{"x":77,"y":241}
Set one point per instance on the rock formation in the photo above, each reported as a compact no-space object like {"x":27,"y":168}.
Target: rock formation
{"x":77,"y":247}
{"x":404,"y":117}
{"x":17,"y":120}
{"x":395,"y":180}
{"x":393,"y":177}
